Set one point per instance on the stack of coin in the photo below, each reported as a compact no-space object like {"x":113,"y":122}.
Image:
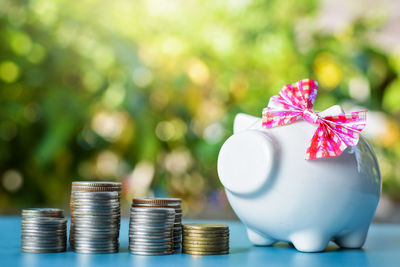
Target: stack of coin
{"x":205,"y":239}
{"x":174,"y":203}
{"x":150,"y":230}
{"x":43,"y":230}
{"x":95,"y":217}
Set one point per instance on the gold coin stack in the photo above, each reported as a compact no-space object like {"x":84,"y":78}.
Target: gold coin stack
{"x":174,"y":203}
{"x":205,"y":239}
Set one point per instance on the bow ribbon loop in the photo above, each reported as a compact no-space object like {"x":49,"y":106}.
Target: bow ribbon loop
{"x":334,"y":133}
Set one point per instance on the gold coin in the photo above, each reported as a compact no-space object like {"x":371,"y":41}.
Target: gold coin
{"x":204,"y":239}
{"x":206,"y":252}
{"x":206,"y":227}
{"x":205,"y":234}
{"x":205,"y":248}
{"x":209,"y":235}
{"x":205,"y":243}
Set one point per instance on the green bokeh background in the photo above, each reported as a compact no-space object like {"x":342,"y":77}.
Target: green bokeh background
{"x":145,"y":92}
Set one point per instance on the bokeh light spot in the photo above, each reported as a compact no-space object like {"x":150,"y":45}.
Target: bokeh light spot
{"x":12,"y":180}
{"x":114,"y":95}
{"x":165,"y":130}
{"x":21,"y":43}
{"x":37,"y":54}
{"x":198,"y":71}
{"x":142,"y":76}
{"x":9,"y":71}
{"x":359,"y":88}
{"x":107,"y":164}
{"x":328,"y":72}
{"x":109,"y":125}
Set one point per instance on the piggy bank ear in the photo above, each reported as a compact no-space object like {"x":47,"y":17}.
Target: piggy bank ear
{"x":243,"y":122}
{"x":245,"y":161}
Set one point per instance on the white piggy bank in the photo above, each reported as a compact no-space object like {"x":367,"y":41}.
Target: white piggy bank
{"x":280,"y":196}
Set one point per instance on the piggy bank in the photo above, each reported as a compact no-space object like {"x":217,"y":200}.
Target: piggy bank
{"x":280,"y":196}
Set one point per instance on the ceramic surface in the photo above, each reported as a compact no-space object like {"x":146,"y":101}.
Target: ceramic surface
{"x":280,"y":196}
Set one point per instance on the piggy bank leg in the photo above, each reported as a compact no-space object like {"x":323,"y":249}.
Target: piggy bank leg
{"x":260,"y":240}
{"x":309,"y":241}
{"x":355,"y":239}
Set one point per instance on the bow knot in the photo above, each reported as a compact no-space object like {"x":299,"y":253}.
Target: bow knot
{"x":311,"y":116}
{"x":333,"y":134}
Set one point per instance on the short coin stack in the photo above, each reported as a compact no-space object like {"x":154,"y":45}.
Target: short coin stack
{"x":174,"y":203}
{"x":205,"y":239}
{"x":150,"y":230}
{"x":95,"y":217}
{"x":43,"y":230}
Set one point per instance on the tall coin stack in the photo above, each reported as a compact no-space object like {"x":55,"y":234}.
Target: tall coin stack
{"x":150,"y":230}
{"x":95,"y":217}
{"x":205,"y":239}
{"x":174,"y":203}
{"x":43,"y":230}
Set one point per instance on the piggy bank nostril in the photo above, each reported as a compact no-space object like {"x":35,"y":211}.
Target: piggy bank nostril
{"x":245,"y":161}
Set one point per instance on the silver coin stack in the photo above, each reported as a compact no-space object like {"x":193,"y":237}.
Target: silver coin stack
{"x":151,"y":231}
{"x":95,"y":217}
{"x":43,"y":230}
{"x":174,"y":203}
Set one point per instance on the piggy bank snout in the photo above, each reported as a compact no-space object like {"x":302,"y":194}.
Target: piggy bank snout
{"x":245,"y":161}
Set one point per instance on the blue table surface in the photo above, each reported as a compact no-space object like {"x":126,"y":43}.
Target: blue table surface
{"x":381,"y":249}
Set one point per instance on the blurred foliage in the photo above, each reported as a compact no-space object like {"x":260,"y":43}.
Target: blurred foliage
{"x":146,"y":91}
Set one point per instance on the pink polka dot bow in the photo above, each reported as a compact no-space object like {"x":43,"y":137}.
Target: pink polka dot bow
{"x":334,"y":133}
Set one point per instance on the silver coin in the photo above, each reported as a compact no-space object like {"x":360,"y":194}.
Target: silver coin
{"x":42,"y":236}
{"x":155,"y":216}
{"x":92,"y":244}
{"x":44,"y":220}
{"x":150,"y":240}
{"x":150,"y":253}
{"x":100,"y":195}
{"x":147,"y":221}
{"x":42,"y":212}
{"x":96,"y":216}
{"x":150,"y":231}
{"x":82,"y":246}
{"x":34,"y":250}
{"x":149,"y":236}
{"x":157,"y":200}
{"x":149,"y":249}
{"x":156,"y":220}
{"x":151,"y":244}
{"x":42,"y":249}
{"x":100,"y":208}
{"x":94,"y":235}
{"x":39,"y":246}
{"x":95,"y":201}
{"x":96,"y":183}
{"x":138,"y":247}
{"x":155,"y":210}
{"x":147,"y":211}
{"x":92,"y":221}
{"x":91,"y":232}
{"x":95,"y":248}
{"x":42,"y":228}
